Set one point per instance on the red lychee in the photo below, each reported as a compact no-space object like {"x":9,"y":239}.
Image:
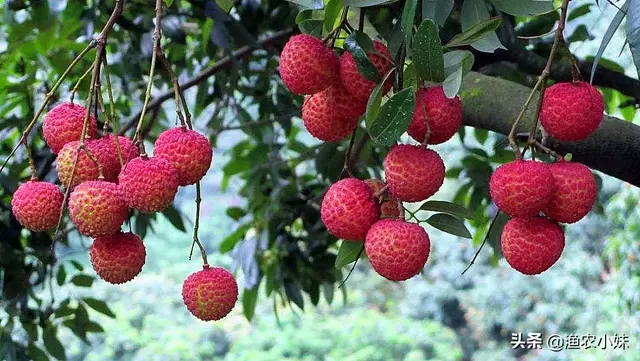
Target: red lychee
{"x":97,"y":208}
{"x":63,"y":124}
{"x":397,"y":250}
{"x":522,"y":188}
{"x":332,"y":114}
{"x":571,"y":111}
{"x":106,"y":147}
{"x":413,"y":173}
{"x":86,"y":169}
{"x":532,"y":245}
{"x":356,"y":84}
{"x":148,"y":184}
{"x":307,"y":66}
{"x":391,"y":208}
{"x":575,"y":192}
{"x":188,"y":151}
{"x":36,"y":205}
{"x":444,"y":116}
{"x":210,"y":294}
{"x":349,"y":209}
{"x":118,"y":258}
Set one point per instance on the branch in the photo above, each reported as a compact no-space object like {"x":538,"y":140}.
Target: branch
{"x":492,"y":103}
{"x":222,"y":64}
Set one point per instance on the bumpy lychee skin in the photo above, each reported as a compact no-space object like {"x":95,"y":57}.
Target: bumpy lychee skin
{"x":444,"y":116}
{"x":307,"y":66}
{"x":210,"y":294}
{"x":118,"y":258}
{"x":391,"y":208}
{"x":86,"y":169}
{"x":331,"y":115}
{"x":106,"y":148}
{"x":522,"y":188}
{"x":349,"y":209}
{"x":413,"y":173}
{"x":148,"y":184}
{"x":188,"y":151}
{"x":63,"y":124}
{"x":36,"y":205}
{"x":97,"y":208}
{"x":532,"y":245}
{"x":575,"y":192}
{"x":571,"y":111}
{"x":356,"y":84}
{"x":397,"y":250}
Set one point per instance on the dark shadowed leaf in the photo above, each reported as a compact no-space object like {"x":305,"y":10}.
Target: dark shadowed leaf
{"x":82,"y":280}
{"x":427,"y":52}
{"x":249,"y":300}
{"x":236,"y":213}
{"x":312,"y":27}
{"x":36,"y":354}
{"x":608,"y":35}
{"x":231,"y":240}
{"x":331,"y":13}
{"x":475,"y":33}
{"x":99,"y":306}
{"x":524,"y":7}
{"x":449,"y":224}
{"x":437,"y":10}
{"x":61,"y":276}
{"x":363,"y":3}
{"x":474,"y":12}
{"x":174,"y":216}
{"x":408,"y":18}
{"x":292,"y":291}
{"x":633,"y":31}
{"x":356,"y":44}
{"x":348,"y":253}
{"x":394,"y":118}
{"x":311,"y":4}
{"x":52,"y":344}
{"x":449,"y":208}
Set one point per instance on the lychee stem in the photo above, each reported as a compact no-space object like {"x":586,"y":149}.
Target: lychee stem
{"x":381,"y":191}
{"x":80,"y":79}
{"x":32,"y":166}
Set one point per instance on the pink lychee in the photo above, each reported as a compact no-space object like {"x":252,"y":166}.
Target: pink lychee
{"x":188,"y":151}
{"x":307,"y":65}
{"x":148,"y":184}
{"x":210,"y":294}
{"x":36,"y":205}
{"x":443,"y":115}
{"x":413,"y":173}
{"x":575,"y":192}
{"x":97,"y":208}
{"x":532,"y":245}
{"x":63,"y":124}
{"x":117,"y":258}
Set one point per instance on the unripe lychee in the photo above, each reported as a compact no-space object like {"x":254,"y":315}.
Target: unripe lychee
{"x":575,"y":192}
{"x":532,"y":245}
{"x":97,"y":208}
{"x":391,"y":208}
{"x":522,"y":188}
{"x":413,"y":173}
{"x":106,"y":148}
{"x":349,"y":209}
{"x":444,"y":116}
{"x":118,"y":258}
{"x":356,"y":84}
{"x":188,"y":151}
{"x":148,"y":184}
{"x":397,"y":249}
{"x":36,"y":205}
{"x":571,"y":111}
{"x":332,"y":114}
{"x":63,"y":124}
{"x":210,"y":294}
{"x":86,"y":169}
{"x":307,"y":66}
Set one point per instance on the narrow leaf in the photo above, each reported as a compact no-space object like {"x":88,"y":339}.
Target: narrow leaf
{"x":449,"y":208}
{"x":174,"y":216}
{"x":36,"y":354}
{"x":474,"y":12}
{"x":311,"y":4}
{"x":394,"y":118}
{"x":449,"y":224}
{"x":82,"y":280}
{"x":348,"y":253}
{"x":408,"y":18}
{"x":99,"y":306}
{"x":475,"y":33}
{"x":633,"y":31}
{"x":52,"y":344}
{"x":331,"y":13}
{"x":363,"y":3}
{"x":452,"y":83}
{"x":249,"y":301}
{"x":611,"y":30}
{"x":61,"y":276}
{"x":427,"y":52}
{"x":356,"y":44}
{"x":524,"y":7}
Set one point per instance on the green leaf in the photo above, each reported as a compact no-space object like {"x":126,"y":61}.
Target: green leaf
{"x":236,"y":213}
{"x":633,"y":31}
{"x":394,"y":118}
{"x":356,"y":44}
{"x":174,"y":217}
{"x":93,"y":327}
{"x":375,"y":99}
{"x":449,"y":208}
{"x":231,"y":240}
{"x":608,"y":35}
{"x":99,"y":306}
{"x":312,"y":27}
{"x":311,"y":4}
{"x":579,"y":11}
{"x":524,"y":7}
{"x":52,"y":344}
{"x":437,"y":10}
{"x":36,"y":354}
{"x":61,"y":276}
{"x":475,"y":33}
{"x":495,"y":231}
{"x":348,"y":253}
{"x":328,"y":290}
{"x":331,"y":13}
{"x":249,"y":301}
{"x":481,"y":135}
{"x":474,"y":12}
{"x":408,"y":18}
{"x":427,"y":52}
{"x":304,"y":15}
{"x":225,"y":5}
{"x":77,"y":265}
{"x":452,"y":83}
{"x":455,"y":58}
{"x":168,"y":3}
{"x":449,"y":224}
{"x":293,"y":293}
{"x":82,"y":280}
{"x":363,"y":3}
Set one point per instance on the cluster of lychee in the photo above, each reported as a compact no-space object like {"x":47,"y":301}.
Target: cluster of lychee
{"x":372,"y":211}
{"x":108,"y":178}
{"x":539,"y":196}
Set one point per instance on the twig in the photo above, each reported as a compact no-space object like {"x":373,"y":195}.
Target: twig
{"x":347,"y":167}
{"x":354,"y":265}
{"x":80,"y":79}
{"x":484,"y":241}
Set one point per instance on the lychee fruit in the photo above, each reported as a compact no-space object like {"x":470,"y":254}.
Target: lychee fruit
{"x":332,"y":114}
{"x":86,"y":169}
{"x":532,"y":245}
{"x":571,"y":111}
{"x":63,"y":124}
{"x":575,"y":192}
{"x":522,"y":188}
{"x":397,"y":250}
{"x":307,"y":66}
{"x":97,"y":208}
{"x":148,"y":184}
{"x":36,"y":205}
{"x":118,"y":258}
{"x":349,"y":209}
{"x":106,"y":147}
{"x":391,"y":208}
{"x":356,"y":84}
{"x":413,"y":173}
{"x":210,"y":294}
{"x":188,"y":151}
{"x":443,"y":115}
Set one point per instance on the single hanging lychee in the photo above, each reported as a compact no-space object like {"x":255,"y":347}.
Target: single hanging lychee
{"x":63,"y":124}
{"x":36,"y":205}
{"x":118,"y":258}
{"x":575,"y":192}
{"x":188,"y":151}
{"x":86,"y":169}
{"x":307,"y":65}
{"x":443,"y":115}
{"x":413,"y":173}
{"x":106,"y":147}
{"x":532,"y":245}
{"x":210,"y":294}
{"x":331,"y":115}
{"x":356,"y":84}
{"x":148,"y":184}
{"x":97,"y":208}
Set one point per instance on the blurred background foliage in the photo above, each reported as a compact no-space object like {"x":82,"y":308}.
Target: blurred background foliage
{"x":260,"y":209}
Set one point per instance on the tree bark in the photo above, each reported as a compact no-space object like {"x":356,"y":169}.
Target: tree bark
{"x":493,"y":104}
